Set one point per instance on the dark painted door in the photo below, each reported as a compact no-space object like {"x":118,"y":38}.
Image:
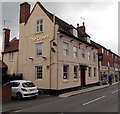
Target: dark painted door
{"x":82,"y":76}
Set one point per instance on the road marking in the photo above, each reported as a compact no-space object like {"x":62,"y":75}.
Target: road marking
{"x":93,"y":100}
{"x":115,"y":91}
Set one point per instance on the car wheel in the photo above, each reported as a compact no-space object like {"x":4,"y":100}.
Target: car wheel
{"x":19,"y":96}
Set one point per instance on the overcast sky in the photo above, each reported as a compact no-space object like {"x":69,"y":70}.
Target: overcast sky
{"x":101,"y":18}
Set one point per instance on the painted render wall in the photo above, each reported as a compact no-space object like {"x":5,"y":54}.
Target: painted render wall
{"x":27,"y":48}
{"x":71,"y":61}
{"x":12,"y":65}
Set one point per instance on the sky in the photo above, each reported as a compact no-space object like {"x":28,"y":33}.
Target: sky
{"x":100,"y":17}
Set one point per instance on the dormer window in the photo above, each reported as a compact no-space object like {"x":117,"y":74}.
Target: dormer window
{"x":87,"y":39}
{"x":39,"y":25}
{"x":74,"y":32}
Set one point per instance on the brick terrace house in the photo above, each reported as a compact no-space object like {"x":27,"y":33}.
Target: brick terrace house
{"x":110,"y":63}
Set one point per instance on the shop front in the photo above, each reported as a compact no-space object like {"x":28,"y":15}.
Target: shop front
{"x":104,"y":73}
{"x":117,"y":74}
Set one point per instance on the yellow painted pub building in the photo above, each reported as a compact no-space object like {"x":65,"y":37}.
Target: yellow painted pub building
{"x":50,"y":52}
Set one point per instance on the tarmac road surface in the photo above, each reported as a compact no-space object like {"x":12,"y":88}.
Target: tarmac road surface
{"x":102,"y":100}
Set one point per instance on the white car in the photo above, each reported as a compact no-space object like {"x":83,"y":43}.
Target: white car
{"x":22,"y":89}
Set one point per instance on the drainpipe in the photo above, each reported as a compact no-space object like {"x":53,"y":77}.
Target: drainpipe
{"x":51,"y":46}
{"x":17,"y":62}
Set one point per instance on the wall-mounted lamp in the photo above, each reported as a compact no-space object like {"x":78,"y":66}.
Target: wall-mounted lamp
{"x":31,"y":58}
{"x":54,"y":44}
{"x":53,"y":50}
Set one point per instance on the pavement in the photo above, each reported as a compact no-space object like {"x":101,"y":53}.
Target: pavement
{"x":69,"y":94}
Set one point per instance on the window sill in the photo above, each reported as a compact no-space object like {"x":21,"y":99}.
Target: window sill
{"x":38,"y":79}
{"x":65,"y":80}
{"x":38,"y":32}
{"x":89,"y":78}
{"x":75,"y":80}
{"x":11,"y":60}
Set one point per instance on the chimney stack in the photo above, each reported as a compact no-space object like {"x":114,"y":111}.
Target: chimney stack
{"x":24,"y":12}
{"x":6,"y":37}
{"x":81,"y":28}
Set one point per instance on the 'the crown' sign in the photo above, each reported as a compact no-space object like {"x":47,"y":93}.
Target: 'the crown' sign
{"x":39,"y":38}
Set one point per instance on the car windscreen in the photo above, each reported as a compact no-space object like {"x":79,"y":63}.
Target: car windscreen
{"x":28,"y":84}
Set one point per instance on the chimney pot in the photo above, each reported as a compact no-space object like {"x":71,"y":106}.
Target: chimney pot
{"x":77,"y":24}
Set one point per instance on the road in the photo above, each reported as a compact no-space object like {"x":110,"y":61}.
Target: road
{"x":102,"y":100}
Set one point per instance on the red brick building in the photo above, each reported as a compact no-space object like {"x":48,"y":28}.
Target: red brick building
{"x":110,"y":64}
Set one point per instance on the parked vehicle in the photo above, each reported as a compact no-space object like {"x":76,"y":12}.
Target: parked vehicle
{"x":22,"y":89}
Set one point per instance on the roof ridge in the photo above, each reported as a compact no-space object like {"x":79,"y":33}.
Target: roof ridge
{"x":15,"y":38}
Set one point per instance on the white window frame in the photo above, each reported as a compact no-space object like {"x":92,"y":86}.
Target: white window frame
{"x":39,"y":50}
{"x":89,"y":55}
{"x":39,"y":72}
{"x":107,"y":53}
{"x":83,"y":53}
{"x":65,"y":73}
{"x":65,"y":48}
{"x":102,"y":50}
{"x":75,"y":51}
{"x":11,"y":56}
{"x":39,"y":26}
{"x":75,"y":68}
{"x":89,"y":72}
{"x":95,"y":72}
{"x":112,"y":55}
{"x":94,"y":57}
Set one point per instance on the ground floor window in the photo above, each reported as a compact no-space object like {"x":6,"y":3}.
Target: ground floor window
{"x":39,"y":72}
{"x":89,"y":71}
{"x":95,"y":72}
{"x":75,"y":72}
{"x":65,"y":71}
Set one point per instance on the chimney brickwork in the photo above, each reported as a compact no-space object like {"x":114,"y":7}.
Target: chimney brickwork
{"x":6,"y":37}
{"x":24,"y":12}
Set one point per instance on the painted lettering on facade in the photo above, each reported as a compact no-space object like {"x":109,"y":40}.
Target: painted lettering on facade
{"x":39,"y":38}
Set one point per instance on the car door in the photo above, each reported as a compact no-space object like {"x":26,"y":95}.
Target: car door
{"x":15,"y":88}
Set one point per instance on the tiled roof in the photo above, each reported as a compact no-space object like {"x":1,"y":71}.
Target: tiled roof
{"x":65,"y":27}
{"x":2,"y":64}
{"x":13,"y":46}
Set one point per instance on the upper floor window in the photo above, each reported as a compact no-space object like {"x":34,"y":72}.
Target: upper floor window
{"x":74,"y":51}
{"x":83,"y":53}
{"x":112,"y":55}
{"x":38,"y":49}
{"x":11,"y":56}
{"x":107,"y":53}
{"x":94,"y":57}
{"x":102,"y":50}
{"x":65,"y":48}
{"x":39,"y":25}
{"x":89,"y":55}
